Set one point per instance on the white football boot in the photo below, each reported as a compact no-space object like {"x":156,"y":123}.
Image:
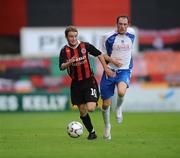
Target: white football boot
{"x":107,"y":132}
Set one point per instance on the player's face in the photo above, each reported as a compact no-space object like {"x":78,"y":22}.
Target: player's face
{"x":72,"y":38}
{"x":122,"y":25}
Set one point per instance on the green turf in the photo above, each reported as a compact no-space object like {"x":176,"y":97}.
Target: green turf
{"x":43,"y":135}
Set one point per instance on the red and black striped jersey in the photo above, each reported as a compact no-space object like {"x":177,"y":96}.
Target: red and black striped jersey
{"x":80,"y":69}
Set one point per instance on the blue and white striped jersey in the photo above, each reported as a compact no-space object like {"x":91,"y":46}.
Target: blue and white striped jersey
{"x":119,"y":47}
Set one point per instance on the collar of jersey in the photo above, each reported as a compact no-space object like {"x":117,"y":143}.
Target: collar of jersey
{"x":74,"y":46}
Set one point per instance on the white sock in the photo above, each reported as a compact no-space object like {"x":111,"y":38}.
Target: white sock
{"x":119,"y":112}
{"x":119,"y":106}
{"x":106,"y":116}
{"x":120,"y":101}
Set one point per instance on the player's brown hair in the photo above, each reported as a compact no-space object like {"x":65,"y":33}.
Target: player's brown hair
{"x":122,"y":16}
{"x":70,"y":28}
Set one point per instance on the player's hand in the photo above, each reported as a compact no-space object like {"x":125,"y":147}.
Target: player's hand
{"x":72,"y":60}
{"x":110,"y":73}
{"x":116,"y":62}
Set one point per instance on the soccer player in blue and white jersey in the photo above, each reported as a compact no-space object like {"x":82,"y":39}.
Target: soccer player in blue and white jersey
{"x":116,"y":45}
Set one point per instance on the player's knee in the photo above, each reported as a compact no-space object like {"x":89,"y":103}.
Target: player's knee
{"x":105,"y":107}
{"x":122,"y":89}
{"x":83,"y":112}
{"x":106,"y":104}
{"x":121,"y":93}
{"x":91,"y":109}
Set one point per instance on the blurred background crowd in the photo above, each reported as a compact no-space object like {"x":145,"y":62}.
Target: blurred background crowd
{"x":32,"y":34}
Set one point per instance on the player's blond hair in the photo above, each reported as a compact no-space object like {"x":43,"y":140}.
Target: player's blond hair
{"x":70,"y":28}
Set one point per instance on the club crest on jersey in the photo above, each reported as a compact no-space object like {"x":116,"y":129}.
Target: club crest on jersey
{"x":68,"y":50}
{"x":83,"y":50}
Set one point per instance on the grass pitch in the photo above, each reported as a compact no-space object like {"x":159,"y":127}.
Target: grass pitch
{"x":43,"y":135}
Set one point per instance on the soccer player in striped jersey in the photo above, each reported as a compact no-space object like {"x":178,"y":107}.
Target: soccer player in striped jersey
{"x":116,"y":45}
{"x":84,"y":88}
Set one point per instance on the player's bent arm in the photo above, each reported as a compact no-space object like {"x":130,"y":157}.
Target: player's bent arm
{"x":68,"y":63}
{"x":108,"y":71}
{"x":112,"y":60}
{"x":65,"y":65}
{"x":107,"y":58}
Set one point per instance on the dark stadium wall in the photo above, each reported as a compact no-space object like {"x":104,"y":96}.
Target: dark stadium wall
{"x":158,"y":24}
{"x":76,"y":12}
{"x":49,"y":12}
{"x":155,"y":14}
{"x":37,"y":13}
{"x":15,"y":15}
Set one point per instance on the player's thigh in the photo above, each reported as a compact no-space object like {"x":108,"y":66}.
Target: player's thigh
{"x":122,"y":80}
{"x":107,"y":86}
{"x":91,"y":91}
{"x":76,"y":95}
{"x":91,"y":106}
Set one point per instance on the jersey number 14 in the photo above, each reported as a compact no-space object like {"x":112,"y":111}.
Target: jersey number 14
{"x":93,"y":92}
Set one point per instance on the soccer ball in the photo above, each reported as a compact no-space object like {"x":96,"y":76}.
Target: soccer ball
{"x":75,"y":129}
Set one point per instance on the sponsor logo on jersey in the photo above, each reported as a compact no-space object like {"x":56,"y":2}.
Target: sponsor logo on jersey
{"x":79,"y":61}
{"x":122,"y":47}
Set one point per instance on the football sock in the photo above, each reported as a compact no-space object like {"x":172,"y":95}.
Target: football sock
{"x":87,"y":123}
{"x":119,"y":108}
{"x":119,"y":101}
{"x":106,"y":116}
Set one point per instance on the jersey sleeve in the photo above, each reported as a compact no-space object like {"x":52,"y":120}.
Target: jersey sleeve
{"x":62,"y":57}
{"x":93,"y":50}
{"x":131,"y":33}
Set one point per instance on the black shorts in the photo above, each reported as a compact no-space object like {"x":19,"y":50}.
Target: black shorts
{"x":84,"y":91}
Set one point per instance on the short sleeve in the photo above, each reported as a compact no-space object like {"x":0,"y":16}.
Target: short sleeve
{"x":62,"y":57}
{"x":93,"y":50}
